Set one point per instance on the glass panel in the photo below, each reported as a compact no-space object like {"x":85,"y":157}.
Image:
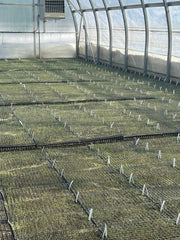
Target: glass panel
{"x":132,"y":2}
{"x":85,"y":4}
{"x":136,"y":33}
{"x":112,"y":3}
{"x":98,"y":4}
{"x":104,"y":34}
{"x":158,"y":42}
{"x":118,"y":36}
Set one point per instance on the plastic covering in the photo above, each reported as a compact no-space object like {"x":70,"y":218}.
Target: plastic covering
{"x":143,"y":35}
{"x":19,"y":32}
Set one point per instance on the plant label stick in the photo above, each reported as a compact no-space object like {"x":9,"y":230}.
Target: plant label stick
{"x":174,"y":115}
{"x":162,"y":206}
{"x":174,"y":162}
{"x":42,"y":150}
{"x":98,"y":151}
{"x":90,"y":214}
{"x":108,"y":161}
{"x":111,"y":124}
{"x":105,"y":232}
{"x":121,"y":169}
{"x":62,"y":172}
{"x":178,"y":218}
{"x":77,"y":196}
{"x":147,"y":146}
{"x":159,"y":154}
{"x":91,"y":146}
{"x":137,"y":141}
{"x":144,"y":188}
{"x":70,"y":185}
{"x":33,"y":136}
{"x":178,"y":137}
{"x":131,"y":178}
{"x":53,"y":164}
{"x":165,"y":112}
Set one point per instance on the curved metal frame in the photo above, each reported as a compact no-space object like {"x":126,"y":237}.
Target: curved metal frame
{"x":146,"y":49}
{"x":97,"y":30}
{"x":126,"y":35}
{"x":123,"y":8}
{"x":85,"y":30}
{"x":169,"y":55}
{"x":110,"y":31}
{"x":76,"y":28}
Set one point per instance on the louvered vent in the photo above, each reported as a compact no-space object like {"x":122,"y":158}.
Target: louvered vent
{"x":54,"y":9}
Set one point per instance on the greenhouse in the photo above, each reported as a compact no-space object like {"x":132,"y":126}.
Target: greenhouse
{"x":89,"y":119}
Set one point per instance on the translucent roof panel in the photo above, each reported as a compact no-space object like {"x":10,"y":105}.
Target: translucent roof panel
{"x":158,"y":32}
{"x":18,"y":1}
{"x":112,"y":3}
{"x":132,"y":2}
{"x":104,"y":35}
{"x":153,"y":1}
{"x":175,"y":19}
{"x":136,"y":29}
{"x":116,"y":19}
{"x":91,"y":27}
{"x":117,"y":29}
{"x":85,"y":4}
{"x":98,"y":4}
{"x":74,"y":4}
{"x":16,"y":18}
{"x":136,"y":37}
{"x":91,"y":34}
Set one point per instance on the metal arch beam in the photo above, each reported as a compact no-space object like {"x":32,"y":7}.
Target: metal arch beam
{"x":110,"y":31}
{"x":76,"y":28}
{"x":126,"y":35}
{"x":97,"y":30}
{"x":146,"y":49}
{"x":169,"y":55}
{"x":85,"y":30}
{"x":147,"y":5}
